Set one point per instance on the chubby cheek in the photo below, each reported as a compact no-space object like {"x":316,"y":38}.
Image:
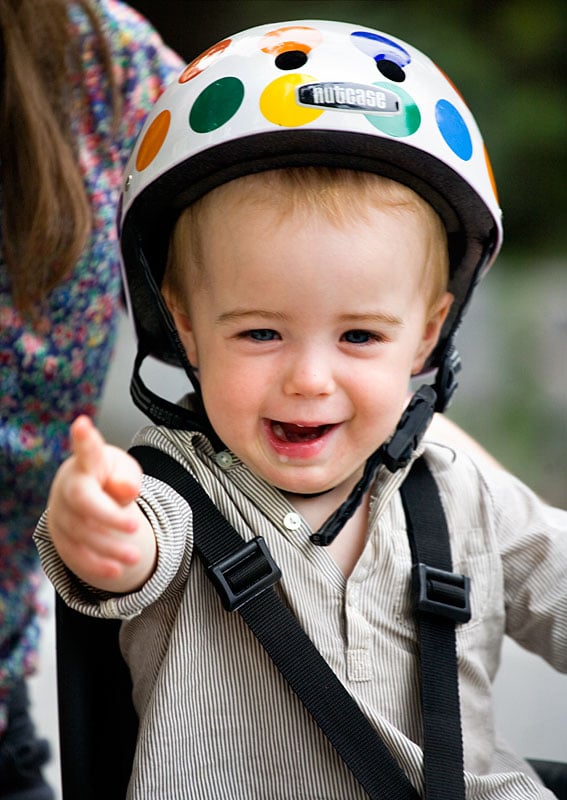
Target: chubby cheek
{"x":379,"y":403}
{"x":229,"y":400}
{"x":380,"y":388}
{"x":385,"y":416}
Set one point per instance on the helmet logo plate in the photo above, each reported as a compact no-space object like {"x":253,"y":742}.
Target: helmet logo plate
{"x":349,"y":97}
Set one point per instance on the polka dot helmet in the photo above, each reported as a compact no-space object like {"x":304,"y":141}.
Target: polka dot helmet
{"x":305,"y":93}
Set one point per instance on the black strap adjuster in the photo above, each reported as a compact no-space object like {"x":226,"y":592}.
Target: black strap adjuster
{"x":244,"y":574}
{"x":445,"y":594}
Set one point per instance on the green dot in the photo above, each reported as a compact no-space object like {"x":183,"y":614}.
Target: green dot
{"x":403,"y":124}
{"x":216,"y":105}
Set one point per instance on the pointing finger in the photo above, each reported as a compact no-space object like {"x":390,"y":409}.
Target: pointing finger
{"x":88,"y":447}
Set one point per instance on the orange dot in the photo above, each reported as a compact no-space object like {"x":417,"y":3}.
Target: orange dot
{"x":450,"y":82}
{"x":491,"y":175}
{"x":153,"y":140}
{"x":282,"y":40}
{"x":203,"y":61}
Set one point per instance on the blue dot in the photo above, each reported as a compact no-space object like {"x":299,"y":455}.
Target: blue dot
{"x":380,"y":47}
{"x":453,"y":129}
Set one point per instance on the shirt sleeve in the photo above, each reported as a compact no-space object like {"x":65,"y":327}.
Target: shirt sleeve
{"x":533,"y":544}
{"x":171,"y":520}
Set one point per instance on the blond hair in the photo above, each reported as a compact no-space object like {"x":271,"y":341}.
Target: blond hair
{"x":340,"y":195}
{"x":46,"y":214}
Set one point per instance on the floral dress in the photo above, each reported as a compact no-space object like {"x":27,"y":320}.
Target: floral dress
{"x":53,"y":370}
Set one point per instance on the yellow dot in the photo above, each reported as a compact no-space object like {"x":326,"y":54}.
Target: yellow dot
{"x":279,"y":105}
{"x":153,"y":140}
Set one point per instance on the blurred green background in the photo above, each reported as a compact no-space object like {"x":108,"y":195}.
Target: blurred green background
{"x":508,"y":59}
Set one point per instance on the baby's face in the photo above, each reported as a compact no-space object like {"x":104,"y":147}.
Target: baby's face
{"x":305,"y":333}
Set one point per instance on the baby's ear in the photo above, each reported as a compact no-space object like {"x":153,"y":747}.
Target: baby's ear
{"x":183,"y":325}
{"x":432,"y":330}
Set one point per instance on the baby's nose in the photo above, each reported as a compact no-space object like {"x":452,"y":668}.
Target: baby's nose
{"x":309,"y":374}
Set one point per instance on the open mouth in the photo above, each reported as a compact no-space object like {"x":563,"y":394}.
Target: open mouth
{"x":296,"y":433}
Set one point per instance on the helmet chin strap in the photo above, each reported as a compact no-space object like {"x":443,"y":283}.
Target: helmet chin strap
{"x":158,"y":409}
{"x":397,"y":452}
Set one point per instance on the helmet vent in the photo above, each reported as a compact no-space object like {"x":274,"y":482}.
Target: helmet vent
{"x":391,"y":70}
{"x":292,"y":59}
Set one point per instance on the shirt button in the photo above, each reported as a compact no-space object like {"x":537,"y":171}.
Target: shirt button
{"x":353,"y":596}
{"x":292,"y":521}
{"x":224,"y":459}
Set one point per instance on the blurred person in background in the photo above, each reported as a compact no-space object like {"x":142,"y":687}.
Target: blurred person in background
{"x":77,"y":78}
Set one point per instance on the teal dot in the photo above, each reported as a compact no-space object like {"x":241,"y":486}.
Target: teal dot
{"x":404,"y":123}
{"x":453,"y":129}
{"x":216,"y":104}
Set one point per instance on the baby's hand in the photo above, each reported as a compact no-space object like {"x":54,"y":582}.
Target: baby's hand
{"x":97,"y":528}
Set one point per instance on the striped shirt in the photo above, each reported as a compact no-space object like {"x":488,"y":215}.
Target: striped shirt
{"x":216,"y":718}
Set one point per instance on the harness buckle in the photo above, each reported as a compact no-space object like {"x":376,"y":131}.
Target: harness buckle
{"x":445,"y":594}
{"x":244,"y":574}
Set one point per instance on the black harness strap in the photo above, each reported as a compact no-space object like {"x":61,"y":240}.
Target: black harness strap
{"x":442,"y":599}
{"x":221,"y":549}
{"x":244,"y":574}
{"x":98,"y":725}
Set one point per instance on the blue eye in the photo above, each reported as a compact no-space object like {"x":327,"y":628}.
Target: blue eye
{"x":359,"y":337}
{"x":262,"y":334}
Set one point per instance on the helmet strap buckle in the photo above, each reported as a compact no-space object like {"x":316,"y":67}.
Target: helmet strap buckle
{"x":397,"y":452}
{"x":446,"y":379}
{"x":426,"y":401}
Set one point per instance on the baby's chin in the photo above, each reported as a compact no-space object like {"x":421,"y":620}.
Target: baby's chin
{"x":297,"y":485}
{"x":337,"y":489}
{"x":294,"y":476}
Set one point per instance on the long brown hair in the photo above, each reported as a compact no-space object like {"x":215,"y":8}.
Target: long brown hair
{"x":46,"y":215}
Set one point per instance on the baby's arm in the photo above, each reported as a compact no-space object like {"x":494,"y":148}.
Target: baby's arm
{"x":449,"y":433}
{"x":93,"y":520}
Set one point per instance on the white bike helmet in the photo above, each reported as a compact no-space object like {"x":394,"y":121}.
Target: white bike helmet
{"x":305,"y":93}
